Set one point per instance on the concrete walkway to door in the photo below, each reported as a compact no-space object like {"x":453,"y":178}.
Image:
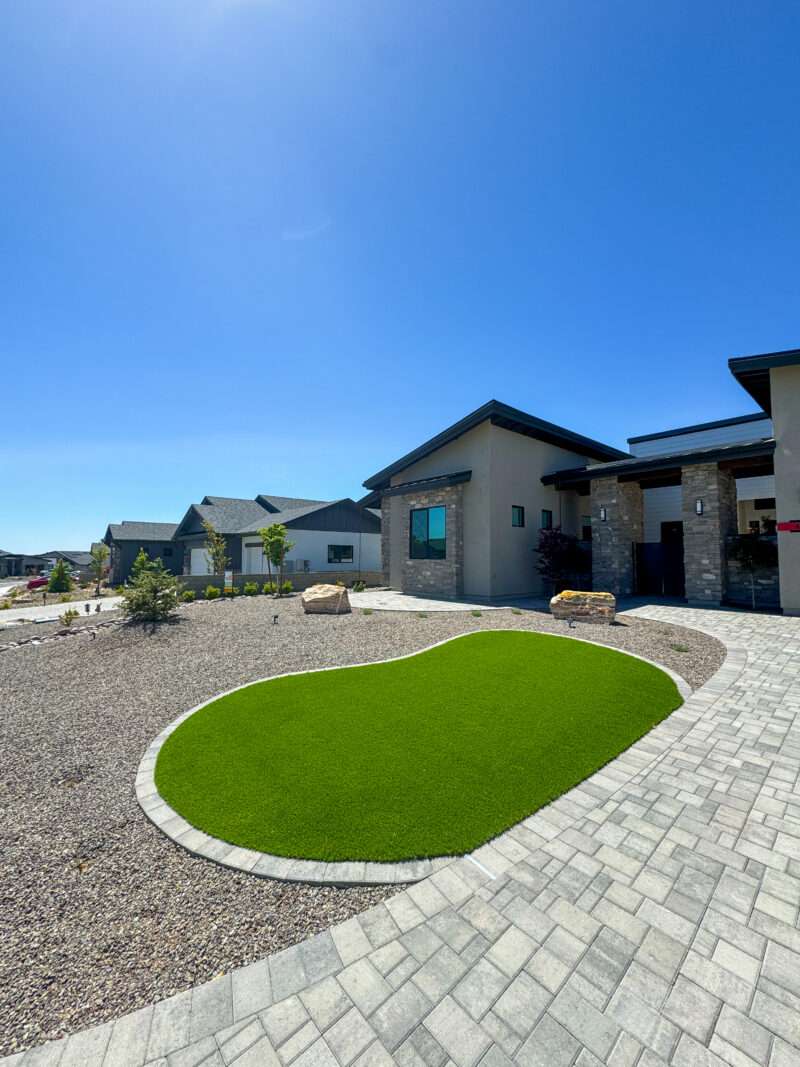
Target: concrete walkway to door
{"x":648,"y":916}
{"x":394,"y":600}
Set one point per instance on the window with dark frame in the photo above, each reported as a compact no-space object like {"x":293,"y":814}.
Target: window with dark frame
{"x":586,"y":527}
{"x":167,"y":550}
{"x":428,"y":533}
{"x":517,"y":515}
{"x":547,"y":519}
{"x":340,"y":553}
{"x":764,"y":503}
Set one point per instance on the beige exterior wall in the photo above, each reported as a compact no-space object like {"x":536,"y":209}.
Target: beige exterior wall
{"x":785,"y":389}
{"x":498,"y":558}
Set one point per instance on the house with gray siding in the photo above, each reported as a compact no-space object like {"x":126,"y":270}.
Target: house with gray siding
{"x":126,"y":539}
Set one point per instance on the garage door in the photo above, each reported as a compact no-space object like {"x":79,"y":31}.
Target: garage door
{"x":254,"y":561}
{"x":199,"y":562}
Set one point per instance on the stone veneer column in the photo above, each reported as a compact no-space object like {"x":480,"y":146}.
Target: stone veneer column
{"x":386,"y":544}
{"x":704,"y":536}
{"x":435,"y":577}
{"x":613,"y":540}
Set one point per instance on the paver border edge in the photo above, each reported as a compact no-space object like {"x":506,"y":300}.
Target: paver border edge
{"x":313,"y":872}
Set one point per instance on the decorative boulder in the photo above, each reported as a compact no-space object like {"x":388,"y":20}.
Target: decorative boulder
{"x":326,"y":600}
{"x":584,"y":607}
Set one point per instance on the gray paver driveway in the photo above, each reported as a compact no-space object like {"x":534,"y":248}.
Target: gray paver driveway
{"x":648,"y":916}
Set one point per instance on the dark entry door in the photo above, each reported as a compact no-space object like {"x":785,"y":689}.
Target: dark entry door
{"x":659,"y":569}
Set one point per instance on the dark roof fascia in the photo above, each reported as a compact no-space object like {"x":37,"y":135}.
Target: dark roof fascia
{"x":752,"y":373}
{"x":189,"y":511}
{"x":737,"y":450}
{"x":500,"y":415}
{"x":421,"y":485}
{"x":681,"y":430}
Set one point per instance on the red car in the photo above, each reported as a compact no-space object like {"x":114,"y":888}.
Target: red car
{"x":37,"y":583}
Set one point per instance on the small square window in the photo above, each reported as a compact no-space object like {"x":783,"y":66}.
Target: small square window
{"x":547,"y":519}
{"x":517,"y":515}
{"x":168,"y":550}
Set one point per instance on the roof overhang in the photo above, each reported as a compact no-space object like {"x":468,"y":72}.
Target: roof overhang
{"x":752,"y":373}
{"x":422,"y":485}
{"x":509,"y":419}
{"x":665,"y":468}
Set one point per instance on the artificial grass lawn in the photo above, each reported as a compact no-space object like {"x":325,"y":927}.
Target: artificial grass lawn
{"x":425,"y":756}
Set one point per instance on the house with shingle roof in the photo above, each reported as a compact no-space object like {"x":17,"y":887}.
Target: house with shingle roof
{"x":126,"y":539}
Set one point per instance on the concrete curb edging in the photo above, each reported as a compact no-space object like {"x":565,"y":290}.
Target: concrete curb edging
{"x":314,"y":872}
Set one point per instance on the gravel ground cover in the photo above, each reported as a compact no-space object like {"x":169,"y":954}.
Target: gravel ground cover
{"x":100,"y":913}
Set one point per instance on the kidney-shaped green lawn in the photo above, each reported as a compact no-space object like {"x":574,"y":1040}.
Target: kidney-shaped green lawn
{"x":425,"y":756}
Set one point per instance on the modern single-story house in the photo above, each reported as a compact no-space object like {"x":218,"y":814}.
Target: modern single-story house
{"x":20,"y":565}
{"x":462,"y":512}
{"x":330,"y":535}
{"x":126,"y":539}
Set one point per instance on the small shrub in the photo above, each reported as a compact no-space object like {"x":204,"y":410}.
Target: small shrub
{"x":680,"y":648}
{"x":153,"y":593}
{"x":515,"y":611}
{"x":251,"y":588}
{"x":358,"y":587}
{"x":65,"y":598}
{"x":85,"y":585}
{"x":477,"y":614}
{"x":339,"y":582}
{"x":287,"y":587}
{"x":60,"y":579}
{"x":269,"y":587}
{"x":14,"y":593}
{"x":366,"y":611}
{"x":234,"y":591}
{"x":187,"y":596}
{"x":422,"y":614}
{"x":120,"y":590}
{"x":68,"y":616}
{"x":5,"y":605}
{"x":211,"y":592}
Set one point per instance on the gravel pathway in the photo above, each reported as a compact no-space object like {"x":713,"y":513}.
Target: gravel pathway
{"x":100,"y":913}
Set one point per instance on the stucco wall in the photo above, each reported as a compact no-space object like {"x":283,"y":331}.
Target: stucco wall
{"x":785,"y":389}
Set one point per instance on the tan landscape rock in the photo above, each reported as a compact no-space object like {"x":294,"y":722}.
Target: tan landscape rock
{"x":325,"y":600}
{"x":584,"y":607}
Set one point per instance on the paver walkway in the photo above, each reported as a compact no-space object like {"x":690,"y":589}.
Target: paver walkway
{"x":394,"y":600}
{"x":649,"y":916}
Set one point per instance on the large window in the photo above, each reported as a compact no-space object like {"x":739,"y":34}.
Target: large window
{"x":517,"y":515}
{"x":340,"y":553}
{"x":586,"y":527}
{"x":428,"y":533}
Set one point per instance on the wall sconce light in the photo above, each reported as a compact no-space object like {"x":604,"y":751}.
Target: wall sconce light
{"x":698,"y":507}
{"x":602,"y":514}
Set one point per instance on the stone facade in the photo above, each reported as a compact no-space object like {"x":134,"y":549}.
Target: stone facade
{"x":704,"y":536}
{"x":434,"y":577}
{"x":613,"y":569}
{"x":386,"y":550}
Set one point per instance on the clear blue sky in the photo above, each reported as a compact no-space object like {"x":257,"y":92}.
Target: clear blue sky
{"x":270,"y":245}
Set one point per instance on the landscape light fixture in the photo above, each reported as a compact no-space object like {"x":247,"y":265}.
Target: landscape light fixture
{"x":274,"y":620}
{"x":698,"y":507}
{"x":602,"y":514}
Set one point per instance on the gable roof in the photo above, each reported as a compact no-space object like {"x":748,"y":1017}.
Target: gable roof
{"x":286,"y":503}
{"x":129,"y":530}
{"x":290,"y":515}
{"x":509,"y":419}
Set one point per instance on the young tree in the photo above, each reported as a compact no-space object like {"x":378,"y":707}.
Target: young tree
{"x":215,"y":546}
{"x":560,"y":556}
{"x":60,"y":579}
{"x":97,"y":565}
{"x":152,"y":593}
{"x":753,"y":554}
{"x":276,"y":547}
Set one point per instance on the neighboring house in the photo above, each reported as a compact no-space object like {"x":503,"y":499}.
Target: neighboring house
{"x":126,"y":539}
{"x":462,"y":513}
{"x":19,"y":565}
{"x":336,"y":535}
{"x":331,"y":535}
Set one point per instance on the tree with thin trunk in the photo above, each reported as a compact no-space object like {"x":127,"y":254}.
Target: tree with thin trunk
{"x":277,"y":548}
{"x":753,"y":554}
{"x":215,"y":546}
{"x":97,"y":565}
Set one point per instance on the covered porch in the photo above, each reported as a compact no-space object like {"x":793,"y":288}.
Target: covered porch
{"x":666,"y":525}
